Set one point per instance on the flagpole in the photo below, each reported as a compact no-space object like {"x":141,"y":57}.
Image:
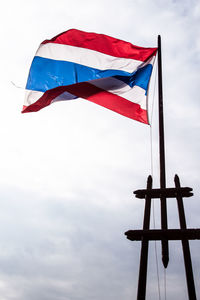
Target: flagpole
{"x":164,"y":234}
{"x":164,"y":226}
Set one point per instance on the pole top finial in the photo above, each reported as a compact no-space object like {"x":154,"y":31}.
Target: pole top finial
{"x":159,"y":39}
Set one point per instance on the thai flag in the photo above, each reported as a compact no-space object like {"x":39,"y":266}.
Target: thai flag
{"x":104,"y":70}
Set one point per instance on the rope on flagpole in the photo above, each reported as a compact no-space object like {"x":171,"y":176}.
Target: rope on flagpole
{"x":151,"y":117}
{"x":151,"y":143}
{"x":17,"y":86}
{"x":165,"y":283}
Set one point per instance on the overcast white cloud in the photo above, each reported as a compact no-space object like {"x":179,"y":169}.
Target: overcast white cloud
{"x":68,"y":171}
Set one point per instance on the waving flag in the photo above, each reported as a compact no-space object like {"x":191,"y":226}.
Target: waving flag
{"x":99,"y":68}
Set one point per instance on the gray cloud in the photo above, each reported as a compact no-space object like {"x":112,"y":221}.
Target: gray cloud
{"x":68,"y":172}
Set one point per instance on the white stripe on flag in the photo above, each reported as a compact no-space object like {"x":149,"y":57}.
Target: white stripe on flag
{"x":31,"y":97}
{"x":117,"y":87}
{"x":87,"y":57}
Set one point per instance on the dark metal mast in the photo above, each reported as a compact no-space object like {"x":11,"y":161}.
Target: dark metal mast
{"x":165,"y":249}
{"x":164,"y":234}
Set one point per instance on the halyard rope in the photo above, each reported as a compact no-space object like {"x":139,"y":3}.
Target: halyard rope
{"x":151,"y":145}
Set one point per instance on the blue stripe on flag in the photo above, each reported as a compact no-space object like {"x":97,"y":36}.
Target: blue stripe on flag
{"x":47,"y":74}
{"x":140,"y":78}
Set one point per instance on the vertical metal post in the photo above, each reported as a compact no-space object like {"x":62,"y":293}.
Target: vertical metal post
{"x":185,"y":245}
{"x":145,"y":246}
{"x":165,"y":248}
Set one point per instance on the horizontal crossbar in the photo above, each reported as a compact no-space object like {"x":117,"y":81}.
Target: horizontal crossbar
{"x":167,"y":192}
{"x":160,"y":234}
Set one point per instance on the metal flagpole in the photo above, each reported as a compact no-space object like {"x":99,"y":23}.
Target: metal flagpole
{"x":164,"y":234}
{"x":165,"y":248}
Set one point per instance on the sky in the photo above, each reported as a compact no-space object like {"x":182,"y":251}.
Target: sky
{"x":68,"y":172}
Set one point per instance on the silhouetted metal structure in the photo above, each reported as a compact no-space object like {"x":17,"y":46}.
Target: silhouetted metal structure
{"x":164,"y":234}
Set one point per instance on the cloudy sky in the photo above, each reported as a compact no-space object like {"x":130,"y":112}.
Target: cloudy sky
{"x":67,"y":173}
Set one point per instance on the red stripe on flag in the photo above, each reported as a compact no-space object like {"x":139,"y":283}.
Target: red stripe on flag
{"x":102,"y":43}
{"x":108,"y":100}
{"x":45,"y":100}
{"x":94,"y":94}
